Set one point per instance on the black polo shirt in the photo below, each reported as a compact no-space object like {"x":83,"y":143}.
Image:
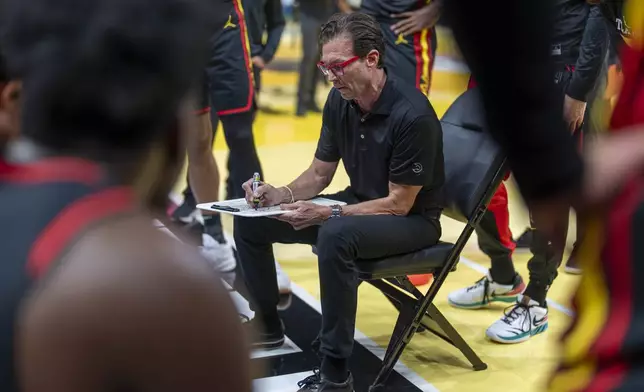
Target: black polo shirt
{"x":400,"y":140}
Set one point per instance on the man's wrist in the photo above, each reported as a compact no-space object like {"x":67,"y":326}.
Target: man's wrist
{"x":327,"y":211}
{"x":287,"y":195}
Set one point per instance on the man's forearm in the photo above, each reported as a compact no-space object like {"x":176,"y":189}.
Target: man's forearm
{"x":308,"y":185}
{"x":273,"y":39}
{"x":275,"y":24}
{"x":592,"y":53}
{"x":383,"y":206}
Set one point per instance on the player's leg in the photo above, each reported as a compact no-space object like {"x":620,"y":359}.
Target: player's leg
{"x":529,"y":316}
{"x":594,"y":122}
{"x":243,"y":159}
{"x":309,"y":75}
{"x":186,"y":213}
{"x":232,"y":96}
{"x":502,"y":283}
{"x":525,"y":239}
{"x":204,"y":177}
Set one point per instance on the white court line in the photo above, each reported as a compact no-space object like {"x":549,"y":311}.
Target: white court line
{"x":479,"y":268}
{"x":369,"y":344}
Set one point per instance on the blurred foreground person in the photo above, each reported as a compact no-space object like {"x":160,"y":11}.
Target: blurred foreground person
{"x":603,"y":349}
{"x":9,"y":113}
{"x":93,"y":297}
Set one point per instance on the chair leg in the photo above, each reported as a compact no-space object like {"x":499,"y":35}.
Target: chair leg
{"x":406,"y":326}
{"x":400,"y":337}
{"x":455,"y":338}
{"x":379,"y":284}
{"x":449,"y":333}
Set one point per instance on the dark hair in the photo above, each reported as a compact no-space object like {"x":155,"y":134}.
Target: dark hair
{"x":363,"y":29}
{"x":109,"y":73}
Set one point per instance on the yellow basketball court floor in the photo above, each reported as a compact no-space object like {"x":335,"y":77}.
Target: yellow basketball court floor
{"x":286,"y":145}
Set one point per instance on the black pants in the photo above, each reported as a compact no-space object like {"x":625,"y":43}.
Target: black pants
{"x":546,"y":258}
{"x":309,"y":74}
{"x":243,"y":159}
{"x":339,"y":242}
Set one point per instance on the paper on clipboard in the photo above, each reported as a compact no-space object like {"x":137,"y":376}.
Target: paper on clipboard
{"x":240,"y":207}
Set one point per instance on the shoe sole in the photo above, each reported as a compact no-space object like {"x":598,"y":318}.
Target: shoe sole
{"x":522,"y":338}
{"x":269,"y":344}
{"x":480,"y":305}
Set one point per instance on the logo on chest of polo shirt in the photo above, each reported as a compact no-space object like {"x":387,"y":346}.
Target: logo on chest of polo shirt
{"x":417,"y":168}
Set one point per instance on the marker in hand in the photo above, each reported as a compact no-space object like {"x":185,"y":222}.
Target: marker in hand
{"x":256,"y":184}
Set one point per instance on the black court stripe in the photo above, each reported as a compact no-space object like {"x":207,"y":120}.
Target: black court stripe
{"x":302,"y":324}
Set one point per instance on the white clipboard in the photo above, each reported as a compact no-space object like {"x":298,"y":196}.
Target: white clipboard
{"x":239,"y":207}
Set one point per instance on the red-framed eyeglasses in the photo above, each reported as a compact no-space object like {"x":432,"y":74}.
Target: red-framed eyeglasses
{"x":338,"y":68}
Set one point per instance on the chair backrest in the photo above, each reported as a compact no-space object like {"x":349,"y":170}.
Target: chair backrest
{"x":474,"y":164}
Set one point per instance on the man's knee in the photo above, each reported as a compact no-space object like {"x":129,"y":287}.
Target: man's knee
{"x":337,"y":239}
{"x":244,"y":227}
{"x":253,"y":230}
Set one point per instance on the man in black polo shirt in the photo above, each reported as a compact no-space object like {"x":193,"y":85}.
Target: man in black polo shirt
{"x":390,"y":141}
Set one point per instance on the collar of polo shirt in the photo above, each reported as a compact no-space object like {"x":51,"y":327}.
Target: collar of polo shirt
{"x":386,"y":100}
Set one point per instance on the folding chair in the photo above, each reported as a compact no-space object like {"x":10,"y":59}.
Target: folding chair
{"x":474,"y":168}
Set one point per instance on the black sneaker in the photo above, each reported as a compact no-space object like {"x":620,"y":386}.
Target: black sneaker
{"x":261,"y":339}
{"x":316,"y":383}
{"x":186,"y":213}
{"x":525,"y":240}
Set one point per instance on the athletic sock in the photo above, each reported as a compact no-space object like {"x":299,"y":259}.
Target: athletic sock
{"x":212,"y":227}
{"x":335,"y":369}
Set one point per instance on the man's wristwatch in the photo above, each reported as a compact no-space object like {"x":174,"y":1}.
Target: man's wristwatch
{"x":336,"y":211}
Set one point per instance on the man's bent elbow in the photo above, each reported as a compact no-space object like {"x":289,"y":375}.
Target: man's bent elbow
{"x":400,"y":207}
{"x":323,"y":181}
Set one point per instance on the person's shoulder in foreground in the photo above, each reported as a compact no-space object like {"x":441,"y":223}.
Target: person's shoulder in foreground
{"x":125,"y":308}
{"x":132,"y":308}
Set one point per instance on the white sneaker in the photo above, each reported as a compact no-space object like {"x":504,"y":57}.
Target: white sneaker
{"x":521,"y":322}
{"x":284,"y":285}
{"x":220,"y":254}
{"x":486,"y":291}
